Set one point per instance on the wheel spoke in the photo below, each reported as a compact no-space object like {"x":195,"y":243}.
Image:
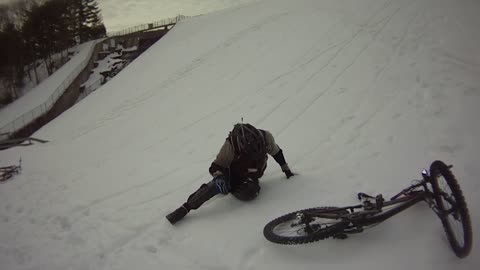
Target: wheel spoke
{"x":295,"y":227}
{"x":307,"y":225}
{"x":451,"y":211}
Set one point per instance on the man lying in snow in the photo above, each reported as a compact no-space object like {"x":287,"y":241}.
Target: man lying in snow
{"x":241,"y":161}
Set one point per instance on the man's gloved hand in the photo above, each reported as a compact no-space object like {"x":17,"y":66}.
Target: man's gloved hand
{"x":222,"y":184}
{"x":288,"y":173}
{"x":287,"y":170}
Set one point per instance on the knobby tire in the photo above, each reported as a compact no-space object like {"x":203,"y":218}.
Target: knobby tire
{"x":437,"y":169}
{"x":320,"y":212}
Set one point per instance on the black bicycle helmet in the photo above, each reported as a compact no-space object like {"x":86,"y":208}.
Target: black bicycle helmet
{"x":248,"y":141}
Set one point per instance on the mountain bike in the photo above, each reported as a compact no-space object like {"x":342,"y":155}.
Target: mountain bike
{"x":438,"y":188}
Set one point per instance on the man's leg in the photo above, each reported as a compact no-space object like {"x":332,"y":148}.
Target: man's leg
{"x":203,"y":194}
{"x":199,"y":197}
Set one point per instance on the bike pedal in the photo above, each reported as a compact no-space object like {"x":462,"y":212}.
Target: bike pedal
{"x":362,"y":195}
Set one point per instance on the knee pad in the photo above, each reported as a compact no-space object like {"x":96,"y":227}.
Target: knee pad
{"x":203,"y":194}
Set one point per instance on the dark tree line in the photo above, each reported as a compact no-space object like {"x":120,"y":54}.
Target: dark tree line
{"x":32,"y":31}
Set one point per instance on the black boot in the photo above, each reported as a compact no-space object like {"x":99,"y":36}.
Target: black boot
{"x":177,"y":214}
{"x":203,"y":194}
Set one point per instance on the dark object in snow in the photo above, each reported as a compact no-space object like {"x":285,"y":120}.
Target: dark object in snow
{"x":5,"y":144}
{"x":178,"y":214}
{"x":9,"y":171}
{"x":439,"y":189}
{"x":237,"y":168}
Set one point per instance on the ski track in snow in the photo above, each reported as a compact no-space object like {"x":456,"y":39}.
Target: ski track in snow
{"x":348,"y":43}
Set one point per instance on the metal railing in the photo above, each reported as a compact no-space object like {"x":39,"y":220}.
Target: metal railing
{"x":40,"y":110}
{"x":147,"y":26}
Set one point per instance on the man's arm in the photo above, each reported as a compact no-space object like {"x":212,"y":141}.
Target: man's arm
{"x":223,"y":160}
{"x":276,"y":152}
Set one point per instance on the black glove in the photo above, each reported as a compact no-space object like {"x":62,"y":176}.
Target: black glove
{"x":288,"y":173}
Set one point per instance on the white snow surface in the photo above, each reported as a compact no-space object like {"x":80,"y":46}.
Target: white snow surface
{"x":42,"y":92}
{"x":360,"y":94}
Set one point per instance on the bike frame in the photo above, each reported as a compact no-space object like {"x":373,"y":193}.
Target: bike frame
{"x":402,"y":204}
{"x":373,"y":213}
{"x":404,"y":199}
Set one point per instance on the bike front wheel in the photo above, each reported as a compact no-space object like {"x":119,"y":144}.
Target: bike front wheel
{"x":305,"y":226}
{"x":453,"y":211}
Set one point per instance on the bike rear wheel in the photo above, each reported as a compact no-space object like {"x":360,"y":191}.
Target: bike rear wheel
{"x":305,"y":226}
{"x":453,"y":208}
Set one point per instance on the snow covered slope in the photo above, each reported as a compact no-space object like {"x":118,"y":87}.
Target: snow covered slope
{"x":361,"y":95}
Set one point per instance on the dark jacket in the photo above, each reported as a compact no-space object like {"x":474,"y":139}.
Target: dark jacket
{"x":237,"y":167}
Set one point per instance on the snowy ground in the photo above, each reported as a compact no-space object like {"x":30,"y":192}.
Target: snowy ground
{"x":361,"y":95}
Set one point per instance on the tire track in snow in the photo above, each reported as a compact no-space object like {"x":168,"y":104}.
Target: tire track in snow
{"x":131,"y":104}
{"x":397,"y":44}
{"x":163,"y":195}
{"x":342,"y":45}
{"x":357,"y":34}
{"x":385,"y":22}
{"x":385,"y":67}
{"x":122,"y":192}
{"x":195,"y":64}
{"x":300,"y":66}
{"x":345,"y":45}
